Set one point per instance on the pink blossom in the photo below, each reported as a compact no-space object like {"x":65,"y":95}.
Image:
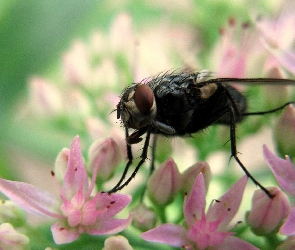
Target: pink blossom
{"x":189,"y":175}
{"x":75,"y":211}
{"x":144,"y":218}
{"x":12,"y":239}
{"x":117,"y":242}
{"x":277,"y":35}
{"x":284,"y":172}
{"x":267,"y":215}
{"x":204,"y":230}
{"x":284,"y":131}
{"x":235,"y":48}
{"x":164,"y":183}
{"x":107,"y":154}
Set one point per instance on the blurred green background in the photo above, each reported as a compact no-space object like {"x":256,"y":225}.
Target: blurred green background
{"x":35,"y":33}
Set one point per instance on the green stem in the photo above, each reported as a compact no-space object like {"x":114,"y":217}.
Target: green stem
{"x":273,"y":240}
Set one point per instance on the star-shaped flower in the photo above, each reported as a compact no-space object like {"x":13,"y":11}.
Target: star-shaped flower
{"x":75,"y":210}
{"x":204,"y":230}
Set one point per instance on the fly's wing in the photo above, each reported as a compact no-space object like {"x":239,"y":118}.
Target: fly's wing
{"x":247,"y":81}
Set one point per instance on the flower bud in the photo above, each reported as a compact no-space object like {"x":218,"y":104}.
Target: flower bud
{"x":76,"y":64}
{"x":288,"y":243}
{"x":275,"y":94}
{"x":284,"y":132}
{"x":189,"y":176}
{"x":164,"y":183}
{"x":61,"y":163}
{"x":11,"y":239}
{"x":104,"y":157}
{"x":117,"y":242}
{"x":45,"y":97}
{"x":266,"y":214}
{"x":144,"y":218}
{"x":11,"y":213}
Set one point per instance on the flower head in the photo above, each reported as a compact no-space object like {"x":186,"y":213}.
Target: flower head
{"x":285,"y":131}
{"x":144,"y":218}
{"x":117,"y":242}
{"x":277,"y":35}
{"x":11,"y":239}
{"x":164,"y":183}
{"x":75,"y":211}
{"x":204,"y":230}
{"x":284,"y":172}
{"x":267,"y":214}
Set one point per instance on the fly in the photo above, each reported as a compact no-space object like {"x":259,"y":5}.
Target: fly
{"x":183,"y":103}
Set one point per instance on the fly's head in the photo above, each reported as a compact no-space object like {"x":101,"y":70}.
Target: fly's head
{"x":137,"y":107}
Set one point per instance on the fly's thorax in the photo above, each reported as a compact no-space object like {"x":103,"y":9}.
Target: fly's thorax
{"x":137,"y":106}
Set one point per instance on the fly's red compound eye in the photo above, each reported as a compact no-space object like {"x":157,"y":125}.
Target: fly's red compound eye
{"x":144,"y":98}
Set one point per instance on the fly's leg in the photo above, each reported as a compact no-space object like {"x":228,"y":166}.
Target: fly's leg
{"x":232,"y":110}
{"x":143,"y":157}
{"x":268,"y":111}
{"x":130,"y":159}
{"x":234,"y":152}
{"x":152,"y":167}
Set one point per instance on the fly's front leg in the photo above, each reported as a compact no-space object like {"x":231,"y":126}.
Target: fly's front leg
{"x":152,"y":167}
{"x":143,"y":158}
{"x":130,"y":159}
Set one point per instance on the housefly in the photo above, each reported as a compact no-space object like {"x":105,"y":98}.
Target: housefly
{"x":183,"y":103}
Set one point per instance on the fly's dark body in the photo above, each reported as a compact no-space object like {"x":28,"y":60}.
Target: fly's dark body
{"x":181,"y":103}
{"x":190,"y":106}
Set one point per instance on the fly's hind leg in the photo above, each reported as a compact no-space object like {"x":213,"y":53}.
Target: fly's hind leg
{"x":234,"y":151}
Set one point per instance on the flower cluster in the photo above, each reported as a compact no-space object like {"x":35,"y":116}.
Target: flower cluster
{"x":77,"y":210}
{"x":169,"y":206}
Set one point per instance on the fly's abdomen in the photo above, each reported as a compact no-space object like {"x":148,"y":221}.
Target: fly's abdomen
{"x":239,"y":105}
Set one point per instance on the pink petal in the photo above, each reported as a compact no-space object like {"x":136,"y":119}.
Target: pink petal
{"x":62,"y":235}
{"x":194,"y":204}
{"x":288,"y":227}
{"x":286,"y":58}
{"x":76,"y":176}
{"x":233,"y":243}
{"x":78,"y":200}
{"x":283,"y":170}
{"x":67,"y":207}
{"x":170,"y":234}
{"x":31,"y":198}
{"x":164,"y":183}
{"x":108,"y":226}
{"x":205,"y":234}
{"x":113,"y":202}
{"x":90,"y":213}
{"x":228,"y":204}
{"x":75,"y":218}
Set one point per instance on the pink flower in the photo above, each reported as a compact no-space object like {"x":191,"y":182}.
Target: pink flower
{"x":235,"y":48}
{"x":12,"y":239}
{"x":204,"y":230}
{"x":284,"y":131}
{"x":267,"y":215}
{"x":117,"y":242}
{"x":284,"y":172}
{"x":144,"y":218}
{"x":75,"y":211}
{"x":278,"y":36}
{"x":164,"y":183}
{"x":189,"y":175}
{"x":107,"y":155}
